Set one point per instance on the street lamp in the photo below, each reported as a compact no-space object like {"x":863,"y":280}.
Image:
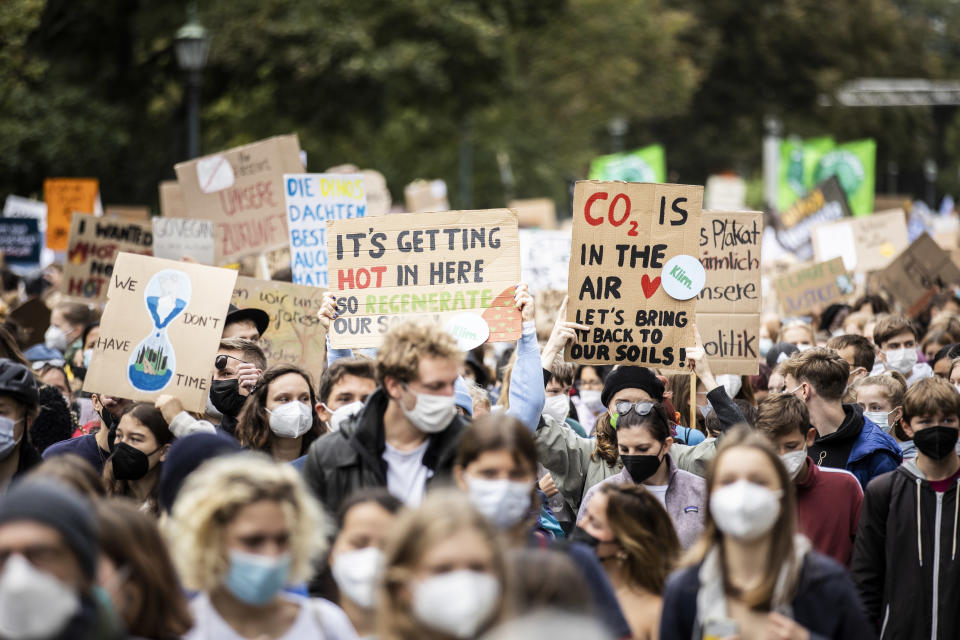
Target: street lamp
{"x":191,"y":45}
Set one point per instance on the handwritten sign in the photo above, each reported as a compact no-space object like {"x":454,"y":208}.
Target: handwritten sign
{"x":17,"y":207}
{"x":21,"y":241}
{"x":866,"y":244}
{"x":171,"y":200}
{"x":536,"y":213}
{"x":545,"y":259}
{"x":312,"y":200}
{"x":623,"y":236}
{"x":425,"y":266}
{"x":160,"y":330}
{"x":178,"y":238}
{"x":421,"y":195}
{"x":94,"y":245}
{"x":241,"y":190}
{"x":130,"y":212}
{"x":811,"y":287}
{"x":918,"y":273}
{"x":294,"y":335}
{"x":64,"y":196}
{"x":824,"y":203}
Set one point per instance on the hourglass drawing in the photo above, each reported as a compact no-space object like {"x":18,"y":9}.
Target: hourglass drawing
{"x":153,"y":362}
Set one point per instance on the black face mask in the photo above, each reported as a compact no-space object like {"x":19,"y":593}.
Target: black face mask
{"x":640,"y":467}
{"x":936,"y":442}
{"x":225,"y":396}
{"x":582,"y":536}
{"x":129,"y":463}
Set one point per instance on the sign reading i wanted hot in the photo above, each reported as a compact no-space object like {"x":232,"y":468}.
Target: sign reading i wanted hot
{"x":634,"y":272}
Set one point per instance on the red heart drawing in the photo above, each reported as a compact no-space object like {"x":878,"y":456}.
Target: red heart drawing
{"x":649,"y":286}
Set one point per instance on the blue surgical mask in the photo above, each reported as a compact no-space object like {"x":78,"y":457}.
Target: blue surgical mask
{"x":8,"y":442}
{"x":256,"y":579}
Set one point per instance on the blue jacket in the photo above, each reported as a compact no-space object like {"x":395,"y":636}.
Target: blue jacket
{"x":873,"y":453}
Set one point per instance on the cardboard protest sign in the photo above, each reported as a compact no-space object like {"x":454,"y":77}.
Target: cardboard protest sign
{"x":178,"y":238}
{"x":725,"y":193}
{"x":547,"y":306}
{"x":21,"y":241}
{"x":458,"y":268}
{"x":294,"y":335}
{"x":866,"y":244}
{"x":802,"y":290}
{"x":171,"y":200}
{"x":64,"y":196}
{"x":160,"y":330}
{"x":130,"y":212}
{"x":17,"y":207}
{"x":648,"y":164}
{"x":33,"y":318}
{"x":312,"y":200}
{"x":625,"y":236}
{"x":537,"y":213}
{"x":918,"y":273}
{"x":825,"y":203}
{"x":729,"y":306}
{"x":421,"y":195}
{"x":94,"y":245}
{"x":379,"y":200}
{"x":544,"y":259}
{"x":241,"y":190}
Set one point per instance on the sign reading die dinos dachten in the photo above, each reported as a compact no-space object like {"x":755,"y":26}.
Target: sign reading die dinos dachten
{"x":457,"y":268}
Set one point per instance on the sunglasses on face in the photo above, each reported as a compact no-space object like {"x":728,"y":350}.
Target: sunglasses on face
{"x":221,"y":361}
{"x":624,"y":407}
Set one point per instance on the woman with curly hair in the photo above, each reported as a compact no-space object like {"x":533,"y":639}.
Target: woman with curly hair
{"x":243,"y":528}
{"x":279,"y":417}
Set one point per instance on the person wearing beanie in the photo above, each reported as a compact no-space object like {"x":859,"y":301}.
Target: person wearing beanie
{"x":462,"y":398}
{"x":185,"y":456}
{"x":48,"y":542}
{"x":19,"y":402}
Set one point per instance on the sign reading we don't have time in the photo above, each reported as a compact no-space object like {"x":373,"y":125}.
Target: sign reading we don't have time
{"x":634,"y":272}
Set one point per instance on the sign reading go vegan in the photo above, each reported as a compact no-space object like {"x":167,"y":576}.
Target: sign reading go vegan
{"x":457,"y":268}
{"x":634,"y":272}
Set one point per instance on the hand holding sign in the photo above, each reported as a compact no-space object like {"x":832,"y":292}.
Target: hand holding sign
{"x":563,"y":333}
{"x":697,"y":362}
{"x":524,"y":302}
{"x":327,"y":312}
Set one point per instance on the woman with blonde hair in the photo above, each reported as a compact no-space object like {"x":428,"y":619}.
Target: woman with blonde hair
{"x":751,"y":575}
{"x":444,"y":573}
{"x":243,"y":528}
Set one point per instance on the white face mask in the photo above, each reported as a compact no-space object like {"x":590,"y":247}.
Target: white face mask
{"x":591,"y":399}
{"x":291,"y":419}
{"x":55,"y":338}
{"x":765,"y":344}
{"x":343,"y":413}
{"x":432,"y":413}
{"x":744,"y":510}
{"x":731,"y":384}
{"x":804,"y":347}
{"x":557,"y":407}
{"x":457,"y":603}
{"x":879,"y":418}
{"x":901,"y":360}
{"x":33,"y":604}
{"x":503,"y":502}
{"x":355,"y":573}
{"x":794,"y":460}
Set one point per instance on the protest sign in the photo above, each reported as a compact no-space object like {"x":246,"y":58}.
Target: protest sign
{"x":33,"y":319}
{"x":624,"y":234}
{"x":918,"y":273}
{"x":379,"y":200}
{"x":725,"y":193}
{"x":241,"y":190}
{"x":171,"y":200}
{"x":544,"y":259}
{"x":458,"y":268}
{"x":798,"y":159}
{"x":813,"y":286}
{"x":853,"y":163}
{"x":825,"y":203}
{"x":17,"y":207}
{"x":648,"y":164}
{"x":294,"y":335}
{"x":160,"y":330}
{"x":179,"y":238}
{"x":421,"y":195}
{"x":312,"y":200}
{"x":21,"y":241}
{"x":94,"y":245}
{"x":729,"y":306}
{"x":64,"y":196}
{"x":129,"y":212}
{"x":865,"y":244}
{"x":538,"y":213}
{"x":547,"y":306}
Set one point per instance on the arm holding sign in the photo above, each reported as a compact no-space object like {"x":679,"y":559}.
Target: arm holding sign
{"x":327,"y":314}
{"x":181,"y":423}
{"x":527,"y":394}
{"x":563,"y":332}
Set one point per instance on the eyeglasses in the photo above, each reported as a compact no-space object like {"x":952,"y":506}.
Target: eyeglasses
{"x":624,"y":407}
{"x":220,"y":362}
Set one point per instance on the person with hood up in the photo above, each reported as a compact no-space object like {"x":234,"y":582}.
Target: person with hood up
{"x":905,"y":561}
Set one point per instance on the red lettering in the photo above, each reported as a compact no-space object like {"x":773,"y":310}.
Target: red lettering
{"x":344,"y":279}
{"x":613,"y":205}
{"x":586,"y":208}
{"x":379,"y":271}
{"x":250,"y":236}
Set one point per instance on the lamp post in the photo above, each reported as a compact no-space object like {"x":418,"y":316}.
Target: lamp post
{"x":191,"y":45}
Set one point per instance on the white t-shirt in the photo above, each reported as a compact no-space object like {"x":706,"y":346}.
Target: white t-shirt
{"x":406,"y":475}
{"x":318,"y":620}
{"x":659,"y":492}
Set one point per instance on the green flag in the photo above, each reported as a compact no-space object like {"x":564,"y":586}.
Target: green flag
{"x":798,"y":160}
{"x":648,"y":164}
{"x":854,"y":164}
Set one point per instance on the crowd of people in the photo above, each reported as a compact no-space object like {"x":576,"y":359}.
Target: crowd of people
{"x":420,"y":492}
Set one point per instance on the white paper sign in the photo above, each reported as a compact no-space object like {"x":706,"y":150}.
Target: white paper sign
{"x":544,"y":259}
{"x":17,"y":207}
{"x":178,"y":238}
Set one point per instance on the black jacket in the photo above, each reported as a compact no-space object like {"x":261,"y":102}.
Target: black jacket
{"x":825,"y":603}
{"x":897,"y":558}
{"x":344,"y":461}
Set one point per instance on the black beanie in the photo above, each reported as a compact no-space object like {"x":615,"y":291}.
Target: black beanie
{"x":631,"y":378}
{"x":58,"y":506}
{"x":184,"y":457}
